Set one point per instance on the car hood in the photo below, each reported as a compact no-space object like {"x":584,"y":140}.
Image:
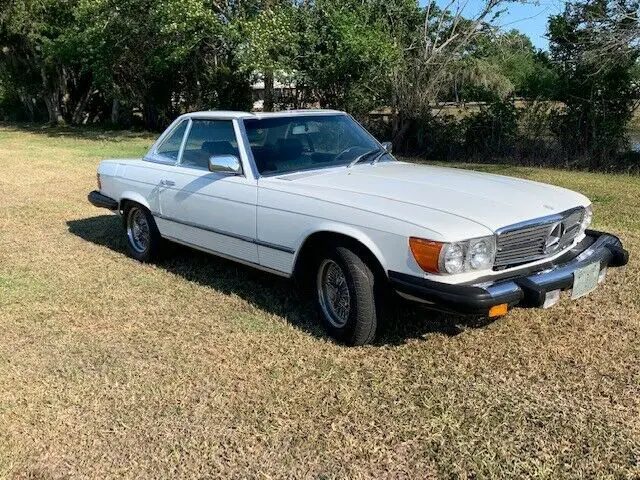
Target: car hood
{"x":494,"y":201}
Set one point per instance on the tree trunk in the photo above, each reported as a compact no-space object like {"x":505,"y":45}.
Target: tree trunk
{"x":27,"y":103}
{"x":52,"y":101}
{"x":78,"y":112}
{"x":268,"y":91}
{"x":401,"y":129}
{"x":51,"y":97}
{"x":395,"y":114}
{"x":150,"y":116}
{"x":115,"y":111}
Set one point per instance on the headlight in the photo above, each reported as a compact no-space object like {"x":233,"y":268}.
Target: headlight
{"x":457,"y":257}
{"x":481,"y":253}
{"x":586,"y":219}
{"x":452,"y":258}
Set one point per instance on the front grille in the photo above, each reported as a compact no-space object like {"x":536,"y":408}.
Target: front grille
{"x":537,"y":239}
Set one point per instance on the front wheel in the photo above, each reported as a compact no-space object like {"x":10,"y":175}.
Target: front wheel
{"x":348,"y":296}
{"x":143,"y":238}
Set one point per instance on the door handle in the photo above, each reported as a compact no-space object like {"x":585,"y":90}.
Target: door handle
{"x":167,"y":183}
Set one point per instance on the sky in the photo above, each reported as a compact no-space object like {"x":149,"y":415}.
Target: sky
{"x":529,"y":18}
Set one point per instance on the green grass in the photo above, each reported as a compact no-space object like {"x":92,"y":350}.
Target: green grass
{"x":199,"y":367}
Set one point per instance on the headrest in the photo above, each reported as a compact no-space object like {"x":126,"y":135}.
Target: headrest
{"x":290,"y":146}
{"x":220,"y":147}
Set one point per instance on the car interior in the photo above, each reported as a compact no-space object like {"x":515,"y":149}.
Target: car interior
{"x":209,"y":138}
{"x":293,"y":146}
{"x":278,"y":145}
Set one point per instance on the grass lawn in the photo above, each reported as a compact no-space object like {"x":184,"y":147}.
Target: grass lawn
{"x":199,"y":367}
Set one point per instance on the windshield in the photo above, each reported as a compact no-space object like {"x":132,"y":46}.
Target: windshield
{"x":291,"y":144}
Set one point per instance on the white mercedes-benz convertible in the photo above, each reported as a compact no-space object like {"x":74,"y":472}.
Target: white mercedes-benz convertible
{"x":312,"y":195}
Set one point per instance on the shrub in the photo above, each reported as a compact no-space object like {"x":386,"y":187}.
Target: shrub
{"x":492,"y":131}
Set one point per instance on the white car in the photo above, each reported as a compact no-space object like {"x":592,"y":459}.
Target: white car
{"x":312,"y":195}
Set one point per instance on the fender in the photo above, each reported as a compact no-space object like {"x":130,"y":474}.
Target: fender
{"x":134,"y":196}
{"x":342,"y":229}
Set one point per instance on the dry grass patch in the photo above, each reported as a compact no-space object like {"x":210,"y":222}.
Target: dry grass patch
{"x":199,"y":367}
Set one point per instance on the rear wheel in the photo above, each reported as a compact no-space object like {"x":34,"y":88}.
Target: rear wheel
{"x":142,"y":235}
{"x":349,"y":295}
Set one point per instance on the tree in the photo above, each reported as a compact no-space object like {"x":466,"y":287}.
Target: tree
{"x":616,"y":28}
{"x":40,"y":57}
{"x":165,"y":55}
{"x":506,"y":63}
{"x":441,"y":47}
{"x":339,"y":54}
{"x":347,"y":55}
{"x":84,"y":59}
{"x":598,"y":91}
{"x":270,"y":42}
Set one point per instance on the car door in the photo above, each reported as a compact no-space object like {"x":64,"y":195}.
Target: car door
{"x":212,"y":211}
{"x":145,"y":178}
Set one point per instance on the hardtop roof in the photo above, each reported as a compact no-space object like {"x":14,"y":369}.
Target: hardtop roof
{"x":230,"y":114}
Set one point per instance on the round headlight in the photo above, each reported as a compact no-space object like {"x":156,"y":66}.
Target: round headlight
{"x":586,"y":219}
{"x":453,"y":258}
{"x":481,"y":254}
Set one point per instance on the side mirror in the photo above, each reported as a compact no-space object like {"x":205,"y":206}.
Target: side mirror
{"x":229,"y":164}
{"x":388,"y":146}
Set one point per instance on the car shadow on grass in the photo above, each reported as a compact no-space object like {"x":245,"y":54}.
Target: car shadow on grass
{"x":267,"y":292}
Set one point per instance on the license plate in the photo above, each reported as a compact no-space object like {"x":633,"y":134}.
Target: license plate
{"x":585,"y":280}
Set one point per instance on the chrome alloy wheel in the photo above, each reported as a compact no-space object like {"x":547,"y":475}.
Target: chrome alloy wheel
{"x":138,"y":230}
{"x":333,"y":293}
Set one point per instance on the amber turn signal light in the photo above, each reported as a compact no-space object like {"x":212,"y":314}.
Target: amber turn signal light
{"x":426,"y":253}
{"x":498,"y":310}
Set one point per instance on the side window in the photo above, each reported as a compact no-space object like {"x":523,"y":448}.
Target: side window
{"x":207,"y":138}
{"x":171,"y":145}
{"x":257,"y":137}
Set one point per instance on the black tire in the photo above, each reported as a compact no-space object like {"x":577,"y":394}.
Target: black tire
{"x":367,"y":295}
{"x":149,"y":249}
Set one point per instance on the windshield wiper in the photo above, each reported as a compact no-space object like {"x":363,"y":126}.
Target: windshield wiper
{"x":359,"y":158}
{"x":379,"y":156}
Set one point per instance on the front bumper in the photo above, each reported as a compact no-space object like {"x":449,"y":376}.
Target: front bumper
{"x":99,"y":200}
{"x":525,"y":288}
